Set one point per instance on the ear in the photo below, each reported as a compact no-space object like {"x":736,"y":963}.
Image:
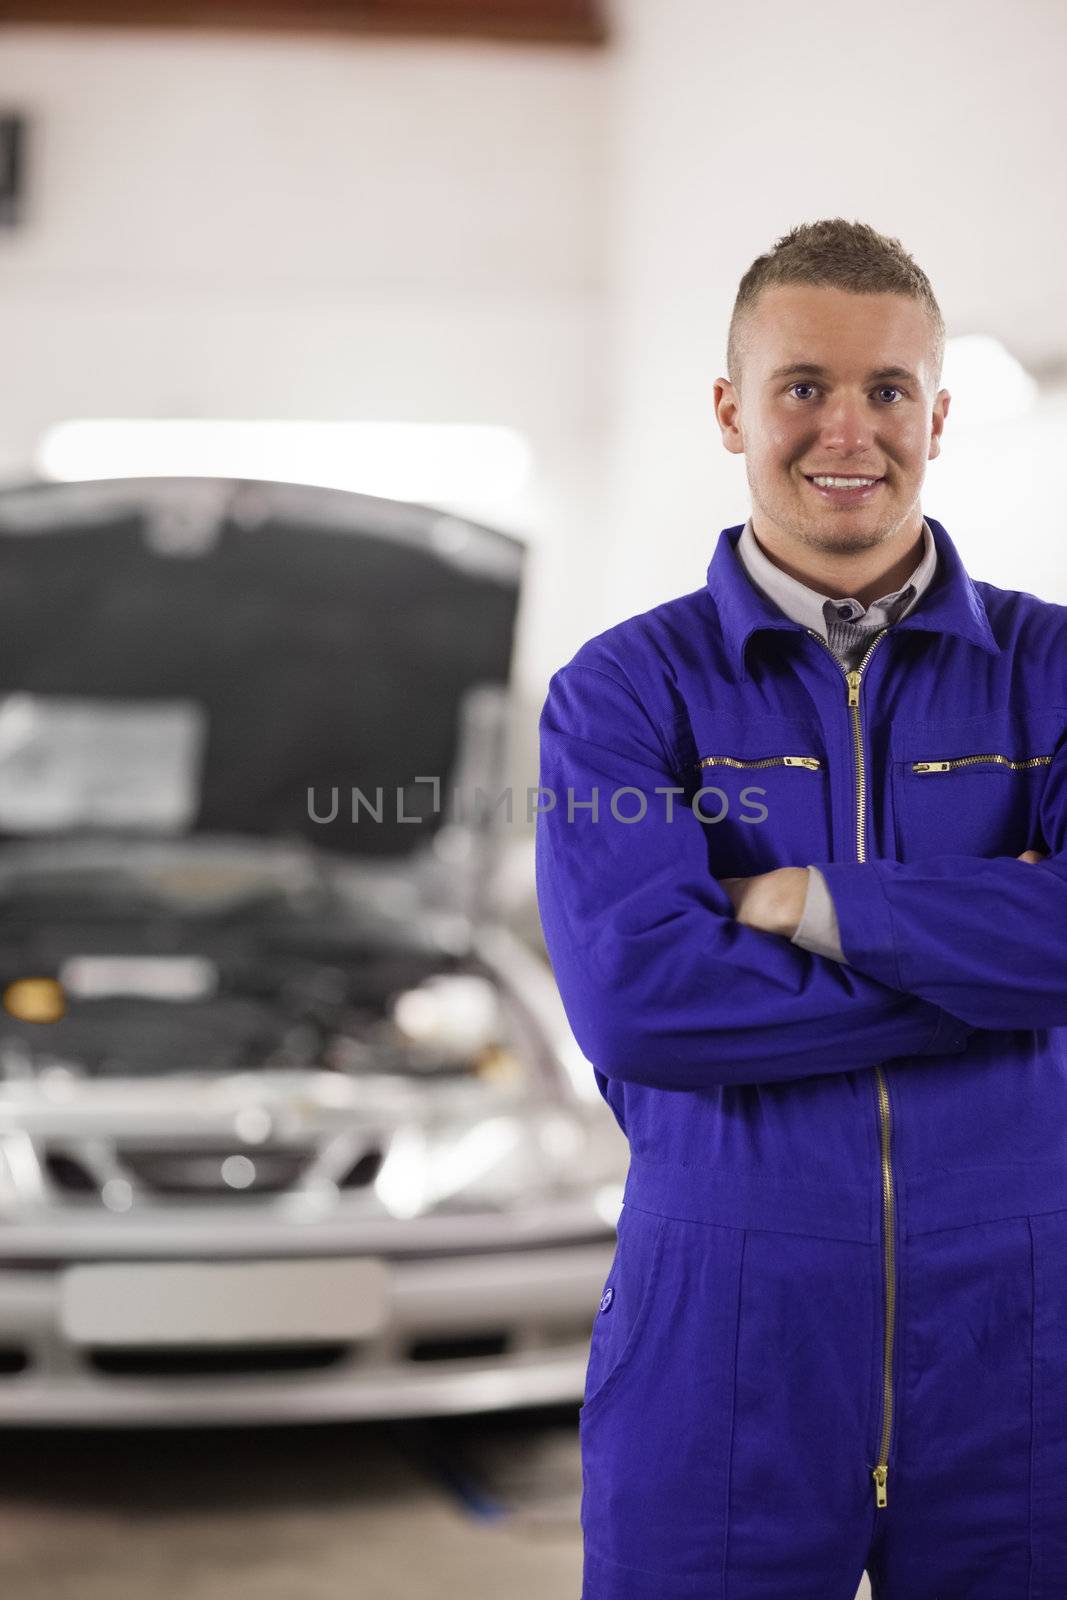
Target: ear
{"x":942,"y":401}
{"x":728,"y":416}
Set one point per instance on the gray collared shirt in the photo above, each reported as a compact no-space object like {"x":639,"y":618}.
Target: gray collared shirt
{"x":847,"y":627}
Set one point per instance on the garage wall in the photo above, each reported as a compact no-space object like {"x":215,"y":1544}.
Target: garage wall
{"x":235,"y":226}
{"x":257,"y":226}
{"x":942,"y":124}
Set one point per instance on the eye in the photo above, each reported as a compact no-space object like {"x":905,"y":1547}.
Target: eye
{"x":889,"y":389}
{"x":793,"y":387}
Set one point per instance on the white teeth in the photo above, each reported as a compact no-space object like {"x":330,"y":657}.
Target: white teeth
{"x":844,"y":483}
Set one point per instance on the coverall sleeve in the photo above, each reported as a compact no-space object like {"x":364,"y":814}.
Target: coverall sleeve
{"x":660,"y":982}
{"x":985,"y":937}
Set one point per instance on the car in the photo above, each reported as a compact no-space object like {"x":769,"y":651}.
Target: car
{"x":292,"y":1127}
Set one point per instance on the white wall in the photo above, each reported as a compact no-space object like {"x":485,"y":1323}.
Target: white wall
{"x":255,"y":226}
{"x":941,"y":124}
{"x":250,"y":226}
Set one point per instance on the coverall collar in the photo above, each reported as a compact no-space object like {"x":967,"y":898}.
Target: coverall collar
{"x":952,"y":604}
{"x":819,"y":611}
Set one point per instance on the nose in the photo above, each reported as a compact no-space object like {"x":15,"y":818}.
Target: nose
{"x":847,"y":425}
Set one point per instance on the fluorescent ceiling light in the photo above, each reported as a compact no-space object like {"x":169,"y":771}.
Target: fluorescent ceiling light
{"x":439,"y":464}
{"x":986,"y":382}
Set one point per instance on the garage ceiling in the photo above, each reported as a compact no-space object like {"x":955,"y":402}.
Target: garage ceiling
{"x":535,"y":21}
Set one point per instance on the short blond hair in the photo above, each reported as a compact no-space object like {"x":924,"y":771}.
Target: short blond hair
{"x":834,"y":254}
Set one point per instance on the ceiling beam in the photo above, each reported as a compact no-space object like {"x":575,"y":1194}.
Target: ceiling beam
{"x":532,"y":21}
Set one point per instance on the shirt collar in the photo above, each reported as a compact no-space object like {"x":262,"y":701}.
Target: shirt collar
{"x":814,"y":610}
{"x":950,"y":603}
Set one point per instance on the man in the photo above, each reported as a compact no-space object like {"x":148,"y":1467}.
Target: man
{"x":803,"y":882}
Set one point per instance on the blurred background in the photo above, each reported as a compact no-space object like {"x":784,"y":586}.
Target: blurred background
{"x":478,"y":255}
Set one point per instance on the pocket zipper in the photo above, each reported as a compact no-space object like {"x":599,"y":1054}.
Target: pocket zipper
{"x":967,"y":761}
{"x":810,"y":762}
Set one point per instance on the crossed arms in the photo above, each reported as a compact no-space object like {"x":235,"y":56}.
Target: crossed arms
{"x":673,"y":978}
{"x":777,"y":901}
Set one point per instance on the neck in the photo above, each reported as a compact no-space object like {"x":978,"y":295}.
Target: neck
{"x":863,"y":575}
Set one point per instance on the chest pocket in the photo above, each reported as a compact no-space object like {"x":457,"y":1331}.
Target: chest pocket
{"x":972,"y":785}
{"x":766,"y":783}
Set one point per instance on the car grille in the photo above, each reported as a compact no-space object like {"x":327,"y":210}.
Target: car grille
{"x":139,"y":1362}
{"x":200,"y":1171}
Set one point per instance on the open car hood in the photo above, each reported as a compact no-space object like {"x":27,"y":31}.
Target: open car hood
{"x":207,"y":655}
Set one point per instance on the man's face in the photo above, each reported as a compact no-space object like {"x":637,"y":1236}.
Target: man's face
{"x":834,"y":385}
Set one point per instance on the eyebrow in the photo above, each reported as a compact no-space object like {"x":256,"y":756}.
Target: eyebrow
{"x":813,"y":369}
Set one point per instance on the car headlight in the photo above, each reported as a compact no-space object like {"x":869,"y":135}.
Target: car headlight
{"x":499,"y":1161}
{"x":453,"y":1014}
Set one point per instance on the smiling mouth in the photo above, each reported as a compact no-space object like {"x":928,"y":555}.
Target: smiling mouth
{"x":829,"y":481}
{"x":841,"y":490}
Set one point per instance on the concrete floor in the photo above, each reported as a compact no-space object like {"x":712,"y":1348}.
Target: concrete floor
{"x":478,"y":1507}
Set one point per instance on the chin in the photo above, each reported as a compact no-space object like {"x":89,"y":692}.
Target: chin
{"x":841,"y":531}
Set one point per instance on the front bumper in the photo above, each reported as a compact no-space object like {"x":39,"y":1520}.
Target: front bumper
{"x":478,"y":1318}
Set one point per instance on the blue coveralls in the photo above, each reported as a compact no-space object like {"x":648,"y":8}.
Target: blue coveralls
{"x":834,"y":1332}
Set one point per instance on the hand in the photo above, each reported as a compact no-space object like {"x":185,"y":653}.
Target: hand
{"x":1031,"y":855}
{"x":771,"y":901}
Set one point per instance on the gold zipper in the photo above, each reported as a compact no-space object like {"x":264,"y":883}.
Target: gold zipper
{"x":968,"y":761}
{"x":881,"y":1471}
{"x":810,"y":762}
